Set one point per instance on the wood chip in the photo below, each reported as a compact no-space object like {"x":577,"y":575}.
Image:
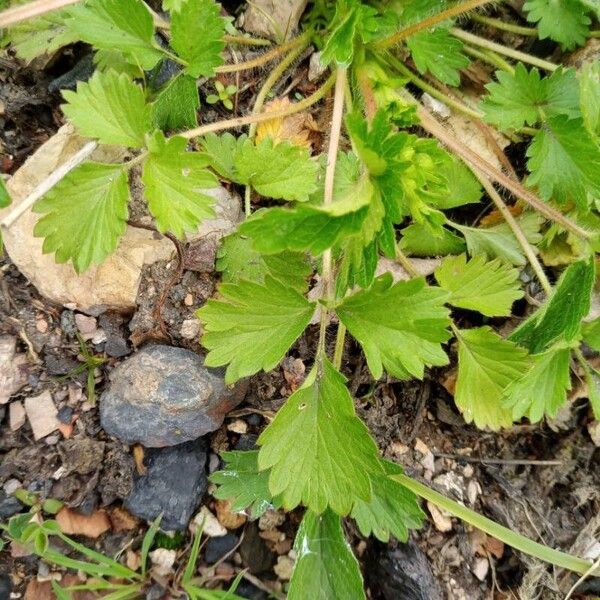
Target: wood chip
{"x":72,"y":522}
{"x":41,"y":413}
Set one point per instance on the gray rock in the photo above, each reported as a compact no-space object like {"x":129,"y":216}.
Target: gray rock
{"x":174,"y":483}
{"x":274,"y":18}
{"x":9,"y":506}
{"x":254,"y":551}
{"x":217,"y":547}
{"x":163,"y":396}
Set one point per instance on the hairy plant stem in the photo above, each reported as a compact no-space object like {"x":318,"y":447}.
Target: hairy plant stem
{"x":489,"y":57}
{"x":405,"y":263}
{"x":242,"y":121}
{"x":271,"y":80}
{"x":502,"y":25}
{"x":516,"y":229}
{"x":327,"y":274}
{"x":475,"y":40}
{"x":340,"y":340}
{"x":14,"y":15}
{"x":267,"y":56}
{"x":246,"y":41}
{"x":432,"y":126}
{"x":512,"y":538}
{"x":454,"y":11}
{"x":433,"y":91}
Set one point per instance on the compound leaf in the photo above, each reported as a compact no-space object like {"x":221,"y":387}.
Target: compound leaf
{"x":487,"y":364}
{"x":559,"y":320}
{"x":243,"y":484}
{"x":418,"y":240}
{"x":197,"y":31}
{"x":400,"y":327}
{"x":439,"y":53}
{"x":86,"y":214}
{"x":176,"y":104}
{"x":564,"y":161}
{"x":325,"y":569}
{"x":393,"y":509}
{"x":524,"y":97}
{"x":543,"y":388}
{"x":110,"y":108}
{"x":251,"y":326}
{"x":124,"y":25}
{"x":487,"y":287}
{"x":319,"y":452}
{"x":173,"y":180}
{"x":221,"y":151}
{"x":564,"y":21}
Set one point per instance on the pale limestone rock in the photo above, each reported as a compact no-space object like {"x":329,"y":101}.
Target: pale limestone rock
{"x":41,"y":413}
{"x":114,"y":283}
{"x":13,"y":375}
{"x":274,"y":19}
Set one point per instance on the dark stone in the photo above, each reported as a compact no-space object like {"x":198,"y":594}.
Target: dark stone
{"x":82,"y":71}
{"x":61,"y":364}
{"x":163,"y":396}
{"x":5,"y":586}
{"x":9,"y":506}
{"x":156,"y":592}
{"x":254,"y":419}
{"x":254,"y":551}
{"x":116,"y":347}
{"x":174,"y":484}
{"x":217,"y":547}
{"x":67,"y":323}
{"x":247,"y":441}
{"x":250,"y":591}
{"x":65,"y":415}
{"x":400,"y":572}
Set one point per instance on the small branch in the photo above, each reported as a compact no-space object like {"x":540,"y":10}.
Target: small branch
{"x":499,"y":461}
{"x":432,"y":126}
{"x":516,"y":229}
{"x":454,"y":11}
{"x":47,"y":184}
{"x":31,"y":10}
{"x":242,"y":121}
{"x":332,"y":152}
{"x":471,"y":38}
{"x":266,"y":57}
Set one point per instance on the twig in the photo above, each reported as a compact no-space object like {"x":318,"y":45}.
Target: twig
{"x":242,"y":121}
{"x":499,"y":461}
{"x":500,"y":49}
{"x":47,"y":184}
{"x":516,"y":229}
{"x":31,"y":10}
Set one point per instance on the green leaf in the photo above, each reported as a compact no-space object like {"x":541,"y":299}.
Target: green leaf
{"x":243,"y":484}
{"x":487,"y":364}
{"x":42,"y":35}
{"x":237,"y":260}
{"x":524,"y":98}
{"x":417,"y":240}
{"x":302,"y":228}
{"x":282,"y":171}
{"x":251,"y":326}
{"x":113,"y":60}
{"x":325,"y":569}
{"x":173,"y":5}
{"x":564,"y":161}
{"x":400,"y":327}
{"x":319,"y":452}
{"x":542,"y":389}
{"x":439,"y":53}
{"x":499,"y":241}
{"x":461,"y":186}
{"x":173,"y":180}
{"x":110,"y":108}
{"x":222,"y":151}
{"x":4,"y":197}
{"x":487,"y":287}
{"x":592,"y":380}
{"x":86,"y":214}
{"x":564,"y":21}
{"x":197,"y":31}
{"x":591,"y":334}
{"x":589,"y":88}
{"x":124,"y":25}
{"x":560,"y":317}
{"x":176,"y":104}
{"x":393,"y":509}
{"x":339,"y":47}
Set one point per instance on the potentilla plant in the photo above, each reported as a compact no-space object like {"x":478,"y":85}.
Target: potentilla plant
{"x":388,"y":185}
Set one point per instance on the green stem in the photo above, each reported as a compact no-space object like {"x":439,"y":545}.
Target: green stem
{"x":511,"y":27}
{"x":489,"y":57}
{"x":471,"y":38}
{"x":340,"y":339}
{"x":405,"y":263}
{"x":267,"y":56}
{"x":242,"y":121}
{"x":433,"y":91}
{"x":428,"y":23}
{"x":512,"y":538}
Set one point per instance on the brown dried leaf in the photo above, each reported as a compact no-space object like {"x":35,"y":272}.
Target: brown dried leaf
{"x":72,"y":522}
{"x":295,"y":128}
{"x":122,"y":520}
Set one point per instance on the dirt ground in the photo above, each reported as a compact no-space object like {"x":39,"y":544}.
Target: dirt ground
{"x":541,"y":480}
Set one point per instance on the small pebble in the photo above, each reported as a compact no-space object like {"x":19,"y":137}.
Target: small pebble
{"x":190,"y":329}
{"x":11,"y":486}
{"x":228,"y":518}
{"x":41,"y":325}
{"x":271,"y":519}
{"x":16,"y":415}
{"x":284,"y":568}
{"x":480,"y":568}
{"x":41,"y":413}
{"x":218,"y":547}
{"x":65,"y":415}
{"x":188,"y":300}
{"x":87,"y":325}
{"x":238,"y":426}
{"x":211,"y":526}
